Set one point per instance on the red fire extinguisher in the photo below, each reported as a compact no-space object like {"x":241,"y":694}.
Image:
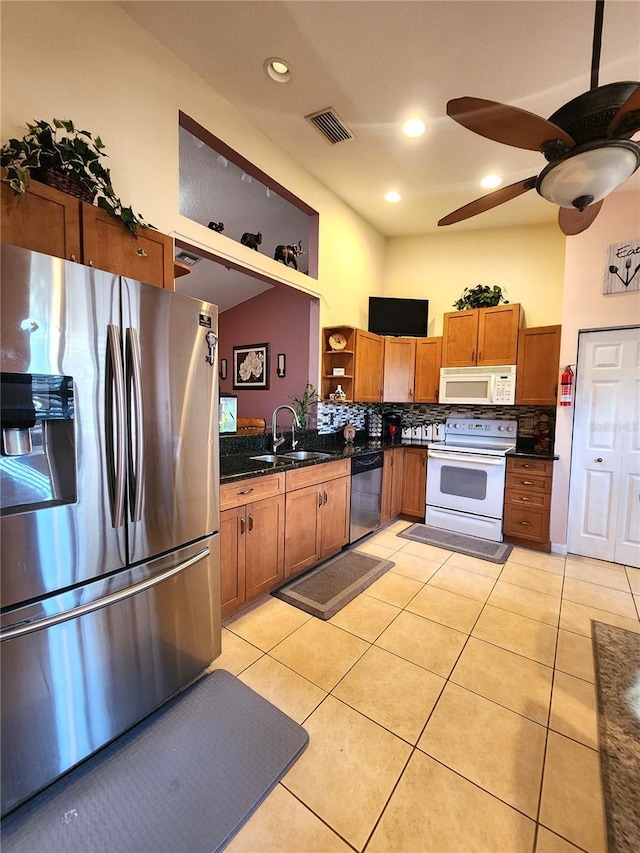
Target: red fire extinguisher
{"x":566,"y":386}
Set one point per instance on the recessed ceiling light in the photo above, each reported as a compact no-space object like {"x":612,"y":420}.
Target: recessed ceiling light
{"x":413,"y":127}
{"x":277,"y":69}
{"x":393,"y":196}
{"x":490,"y":182}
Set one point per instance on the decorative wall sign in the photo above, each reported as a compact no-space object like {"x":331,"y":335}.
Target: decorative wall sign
{"x":251,"y":367}
{"x":622,"y":267}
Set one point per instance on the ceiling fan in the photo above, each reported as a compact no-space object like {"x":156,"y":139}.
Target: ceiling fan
{"x":586,"y":143}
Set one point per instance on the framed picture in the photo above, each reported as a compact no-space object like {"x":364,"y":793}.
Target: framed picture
{"x":251,"y":367}
{"x":622,"y":267}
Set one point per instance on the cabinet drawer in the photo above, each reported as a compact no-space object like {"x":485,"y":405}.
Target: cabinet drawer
{"x":539,"y":466}
{"x":526,"y":523}
{"x":247,"y":491}
{"x":524,"y":498}
{"x":315,"y":474}
{"x":528,"y":482}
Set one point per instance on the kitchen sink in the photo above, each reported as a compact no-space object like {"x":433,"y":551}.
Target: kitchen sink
{"x":270,"y":457}
{"x":304,"y":455}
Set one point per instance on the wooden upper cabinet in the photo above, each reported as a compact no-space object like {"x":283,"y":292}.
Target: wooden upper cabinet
{"x":43,"y":219}
{"x":481,"y":336}
{"x":538,"y":365}
{"x":498,"y":330}
{"x":428,"y":362}
{"x":47,"y":220}
{"x":369,"y":366}
{"x":399,"y":369}
{"x":107,"y":245}
{"x":460,"y":338}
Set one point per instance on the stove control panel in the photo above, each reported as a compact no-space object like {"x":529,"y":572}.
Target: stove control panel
{"x":482,"y":427}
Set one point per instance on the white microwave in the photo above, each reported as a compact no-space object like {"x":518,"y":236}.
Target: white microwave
{"x":492,"y":386}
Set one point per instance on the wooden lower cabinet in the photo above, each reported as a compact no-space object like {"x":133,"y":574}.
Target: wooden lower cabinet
{"x":527,"y":502}
{"x":316,"y":514}
{"x":252,"y":551}
{"x":251,"y":539}
{"x":414,"y":482}
{"x":392,"y":474}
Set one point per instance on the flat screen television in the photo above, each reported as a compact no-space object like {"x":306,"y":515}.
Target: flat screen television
{"x":393,"y":316}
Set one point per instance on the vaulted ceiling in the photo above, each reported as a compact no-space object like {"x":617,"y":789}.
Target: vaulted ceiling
{"x":376,"y":62}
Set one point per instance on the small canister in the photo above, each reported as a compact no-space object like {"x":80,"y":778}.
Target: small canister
{"x":416,"y":433}
{"x":427,"y":432}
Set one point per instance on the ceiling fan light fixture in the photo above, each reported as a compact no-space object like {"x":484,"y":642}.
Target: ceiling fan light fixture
{"x":393,"y":197}
{"x":588,"y":173}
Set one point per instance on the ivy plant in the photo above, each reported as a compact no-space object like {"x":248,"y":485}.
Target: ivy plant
{"x":480,"y":296}
{"x":79,"y":155}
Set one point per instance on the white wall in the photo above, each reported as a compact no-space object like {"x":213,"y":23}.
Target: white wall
{"x":584,"y":306}
{"x":527,"y":262}
{"x":91,"y":63}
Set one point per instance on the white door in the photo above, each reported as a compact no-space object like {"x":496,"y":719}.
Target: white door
{"x":604,"y":497}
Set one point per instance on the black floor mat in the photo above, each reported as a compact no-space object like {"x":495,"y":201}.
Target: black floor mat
{"x":182,"y":781}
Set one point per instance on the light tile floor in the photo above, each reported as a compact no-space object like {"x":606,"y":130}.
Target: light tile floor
{"x":451,"y":707}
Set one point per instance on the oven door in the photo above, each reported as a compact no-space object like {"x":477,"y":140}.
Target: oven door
{"x":466,"y":482}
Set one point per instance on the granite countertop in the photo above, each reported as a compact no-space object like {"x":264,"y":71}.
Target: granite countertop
{"x":240,"y":466}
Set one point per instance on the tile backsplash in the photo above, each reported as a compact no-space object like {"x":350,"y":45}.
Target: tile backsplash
{"x":334,"y":416}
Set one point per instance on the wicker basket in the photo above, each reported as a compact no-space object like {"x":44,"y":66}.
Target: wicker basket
{"x":66,"y":183}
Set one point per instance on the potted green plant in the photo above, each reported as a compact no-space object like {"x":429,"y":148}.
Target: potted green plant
{"x":301,"y":405}
{"x":480,"y":296}
{"x":60,"y":155}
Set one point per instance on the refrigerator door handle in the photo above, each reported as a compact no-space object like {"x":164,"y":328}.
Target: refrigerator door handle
{"x":115,"y":426}
{"x":20,"y":630}
{"x":134,"y":394}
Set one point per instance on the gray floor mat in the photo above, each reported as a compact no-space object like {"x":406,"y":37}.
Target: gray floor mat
{"x":182,"y":781}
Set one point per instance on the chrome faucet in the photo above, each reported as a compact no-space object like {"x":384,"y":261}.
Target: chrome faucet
{"x":274,"y":428}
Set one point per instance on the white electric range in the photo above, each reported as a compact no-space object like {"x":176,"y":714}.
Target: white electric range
{"x":466,"y":475}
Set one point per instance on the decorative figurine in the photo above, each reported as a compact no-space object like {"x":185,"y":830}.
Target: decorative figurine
{"x":289,"y":254}
{"x":251,"y":240}
{"x":216,"y":226}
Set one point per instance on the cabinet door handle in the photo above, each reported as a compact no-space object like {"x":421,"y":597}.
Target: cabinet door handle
{"x":141,"y":252}
{"x":526,"y":465}
{"x":245,"y":491}
{"x":90,"y":263}
{"x":72,"y":258}
{"x":325,"y":498}
{"x":527,"y":483}
{"x":437,"y":392}
{"x":242,"y":525}
{"x":599,"y":459}
{"x":526,"y":524}
{"x":525,"y":498}
{"x":480,"y":356}
{"x":250,"y":523}
{"x":473,"y":355}
{"x":319,"y":498}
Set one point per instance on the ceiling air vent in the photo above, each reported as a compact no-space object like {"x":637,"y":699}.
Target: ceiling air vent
{"x":330,"y":125}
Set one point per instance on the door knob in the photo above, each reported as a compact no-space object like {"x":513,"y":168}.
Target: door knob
{"x":599,"y":459}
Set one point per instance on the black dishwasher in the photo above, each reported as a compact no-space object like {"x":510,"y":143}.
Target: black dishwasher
{"x":366,"y":493}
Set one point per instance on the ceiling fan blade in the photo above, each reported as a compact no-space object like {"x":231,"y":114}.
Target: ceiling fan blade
{"x":624,"y":120}
{"x":486,"y":202}
{"x":572,"y":221}
{"x":509,"y":125}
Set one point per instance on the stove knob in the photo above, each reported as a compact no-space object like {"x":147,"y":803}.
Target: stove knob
{"x":509,"y":429}
{"x":500,"y":429}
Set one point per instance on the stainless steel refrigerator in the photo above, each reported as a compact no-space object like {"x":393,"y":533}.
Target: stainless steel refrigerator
{"x":109,"y":509}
